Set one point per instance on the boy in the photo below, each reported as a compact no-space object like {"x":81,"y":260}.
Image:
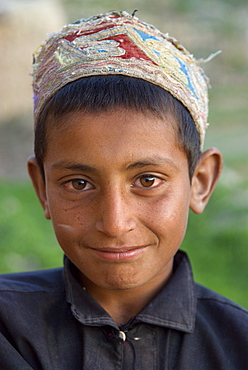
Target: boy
{"x":120,"y":118}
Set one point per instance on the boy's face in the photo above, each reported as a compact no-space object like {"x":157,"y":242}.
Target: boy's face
{"x":118,"y":193}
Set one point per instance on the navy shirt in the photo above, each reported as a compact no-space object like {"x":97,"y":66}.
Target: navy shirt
{"x":49,"y":321}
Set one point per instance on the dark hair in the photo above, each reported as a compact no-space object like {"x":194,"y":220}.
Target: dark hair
{"x":102,"y":93}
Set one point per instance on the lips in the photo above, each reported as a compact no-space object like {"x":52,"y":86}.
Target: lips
{"x":119,"y":253}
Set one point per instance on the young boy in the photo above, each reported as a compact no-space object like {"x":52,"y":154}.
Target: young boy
{"x":120,"y":118}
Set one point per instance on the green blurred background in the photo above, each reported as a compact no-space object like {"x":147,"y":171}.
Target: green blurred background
{"x":217,"y":241}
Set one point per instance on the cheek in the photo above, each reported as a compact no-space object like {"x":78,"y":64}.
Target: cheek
{"x":169,"y":217}
{"x":68,"y":214}
{"x":69,"y":224}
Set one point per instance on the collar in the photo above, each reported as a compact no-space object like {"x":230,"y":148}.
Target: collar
{"x":174,"y":307}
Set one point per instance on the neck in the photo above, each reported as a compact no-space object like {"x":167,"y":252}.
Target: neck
{"x":123,"y":304}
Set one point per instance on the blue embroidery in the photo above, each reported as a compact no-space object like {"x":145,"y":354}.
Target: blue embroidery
{"x":145,"y":36}
{"x":156,"y":52}
{"x":185,"y":71}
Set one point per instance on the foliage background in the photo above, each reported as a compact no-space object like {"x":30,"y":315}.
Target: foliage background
{"x":217,"y":240}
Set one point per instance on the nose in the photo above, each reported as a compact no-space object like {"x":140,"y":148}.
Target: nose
{"x":115,"y":216}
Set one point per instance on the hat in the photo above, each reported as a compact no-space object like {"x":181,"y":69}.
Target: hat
{"x":119,"y":43}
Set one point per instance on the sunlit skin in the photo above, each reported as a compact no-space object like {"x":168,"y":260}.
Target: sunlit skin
{"x":118,"y":192}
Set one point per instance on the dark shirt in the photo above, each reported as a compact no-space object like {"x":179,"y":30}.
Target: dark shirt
{"x":49,"y":321}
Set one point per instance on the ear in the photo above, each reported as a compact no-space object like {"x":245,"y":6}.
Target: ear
{"x":38,"y":184}
{"x":205,"y":178}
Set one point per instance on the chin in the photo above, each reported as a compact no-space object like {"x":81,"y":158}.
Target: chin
{"x":118,"y":282}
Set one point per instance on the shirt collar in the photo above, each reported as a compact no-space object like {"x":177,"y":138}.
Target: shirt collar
{"x":174,"y":307}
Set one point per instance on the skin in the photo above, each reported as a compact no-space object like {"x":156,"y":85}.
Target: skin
{"x":118,"y":193}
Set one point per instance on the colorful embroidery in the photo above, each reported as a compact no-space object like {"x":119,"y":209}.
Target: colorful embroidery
{"x":118,"y":43}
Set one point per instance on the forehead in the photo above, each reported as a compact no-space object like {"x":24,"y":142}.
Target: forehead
{"x":118,"y":123}
{"x":120,"y":119}
{"x":120,"y":136}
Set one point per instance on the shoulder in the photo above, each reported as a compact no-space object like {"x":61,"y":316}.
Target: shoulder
{"x":35,"y":281}
{"x":32,"y":306}
{"x":222,"y":329}
{"x":209,"y":297}
{"x":220,"y":311}
{"x":28,"y":295}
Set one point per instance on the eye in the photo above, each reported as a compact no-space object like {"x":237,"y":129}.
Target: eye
{"x":77,"y":184}
{"x":148,"y":181}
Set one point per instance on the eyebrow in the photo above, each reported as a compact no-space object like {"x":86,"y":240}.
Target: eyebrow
{"x":154,"y":161}
{"x":73,"y":166}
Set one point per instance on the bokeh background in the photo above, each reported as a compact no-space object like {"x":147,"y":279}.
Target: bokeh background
{"x":216,"y":241}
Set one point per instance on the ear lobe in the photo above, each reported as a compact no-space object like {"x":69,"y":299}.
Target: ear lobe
{"x":205,"y":178}
{"x":38,"y":184}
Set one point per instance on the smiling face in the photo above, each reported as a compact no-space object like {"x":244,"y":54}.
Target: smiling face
{"x":118,"y":192}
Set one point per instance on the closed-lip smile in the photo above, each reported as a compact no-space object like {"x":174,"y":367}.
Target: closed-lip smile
{"x":119,"y":253}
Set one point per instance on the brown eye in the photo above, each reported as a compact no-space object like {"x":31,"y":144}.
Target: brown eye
{"x":147,"y":180}
{"x":79,"y":184}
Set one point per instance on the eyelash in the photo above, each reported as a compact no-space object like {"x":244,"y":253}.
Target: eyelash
{"x":68,"y":185}
{"x":146,"y":177}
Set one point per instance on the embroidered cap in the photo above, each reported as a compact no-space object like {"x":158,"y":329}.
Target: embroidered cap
{"x":119,"y":43}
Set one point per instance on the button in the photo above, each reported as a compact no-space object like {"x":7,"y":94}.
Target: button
{"x":122,"y":335}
